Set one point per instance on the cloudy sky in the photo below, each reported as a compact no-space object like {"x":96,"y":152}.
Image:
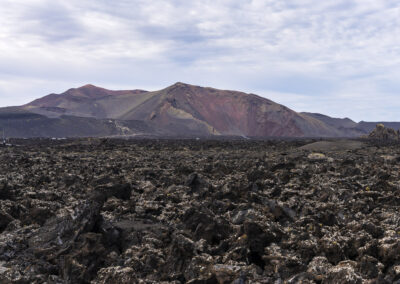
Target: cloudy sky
{"x":341,"y":58}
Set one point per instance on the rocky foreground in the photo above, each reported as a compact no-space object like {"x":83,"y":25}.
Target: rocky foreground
{"x":98,"y":211}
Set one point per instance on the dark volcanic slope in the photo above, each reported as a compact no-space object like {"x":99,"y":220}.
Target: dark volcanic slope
{"x":120,"y":212}
{"x":345,"y":126}
{"x":17,"y":122}
{"x":336,"y":122}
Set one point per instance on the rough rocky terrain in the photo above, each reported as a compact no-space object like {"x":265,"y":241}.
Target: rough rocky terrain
{"x":147,"y":211}
{"x":384,"y":133}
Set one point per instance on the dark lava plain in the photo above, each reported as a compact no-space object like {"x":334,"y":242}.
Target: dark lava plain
{"x":165,"y":211}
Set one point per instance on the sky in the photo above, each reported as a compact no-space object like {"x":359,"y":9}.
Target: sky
{"x":340,"y":58}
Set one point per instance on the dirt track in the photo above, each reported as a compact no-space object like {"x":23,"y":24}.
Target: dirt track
{"x":101,"y":211}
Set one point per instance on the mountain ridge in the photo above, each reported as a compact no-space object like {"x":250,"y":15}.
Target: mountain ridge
{"x":181,"y":110}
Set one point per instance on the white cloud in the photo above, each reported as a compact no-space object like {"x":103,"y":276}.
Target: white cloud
{"x":329,"y":56}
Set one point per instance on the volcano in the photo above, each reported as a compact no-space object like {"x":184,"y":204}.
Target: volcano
{"x":178,"y":110}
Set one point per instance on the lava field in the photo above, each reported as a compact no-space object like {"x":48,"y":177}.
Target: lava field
{"x":187,"y":211}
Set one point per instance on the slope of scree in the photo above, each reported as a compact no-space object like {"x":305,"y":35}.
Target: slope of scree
{"x":98,"y":211}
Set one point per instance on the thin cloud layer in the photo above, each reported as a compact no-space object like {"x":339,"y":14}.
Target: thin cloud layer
{"x":336,"y":57}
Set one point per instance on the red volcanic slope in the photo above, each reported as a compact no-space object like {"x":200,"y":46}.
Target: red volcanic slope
{"x":86,"y":101}
{"x":185,"y":109}
{"x":226,"y":113}
{"x":85,"y":93}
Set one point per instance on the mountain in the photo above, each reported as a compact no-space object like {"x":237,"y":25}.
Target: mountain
{"x":189,"y":108}
{"x":183,"y":109}
{"x":345,"y":126}
{"x":178,"y":110}
{"x":86,"y":101}
{"x":335,"y":122}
